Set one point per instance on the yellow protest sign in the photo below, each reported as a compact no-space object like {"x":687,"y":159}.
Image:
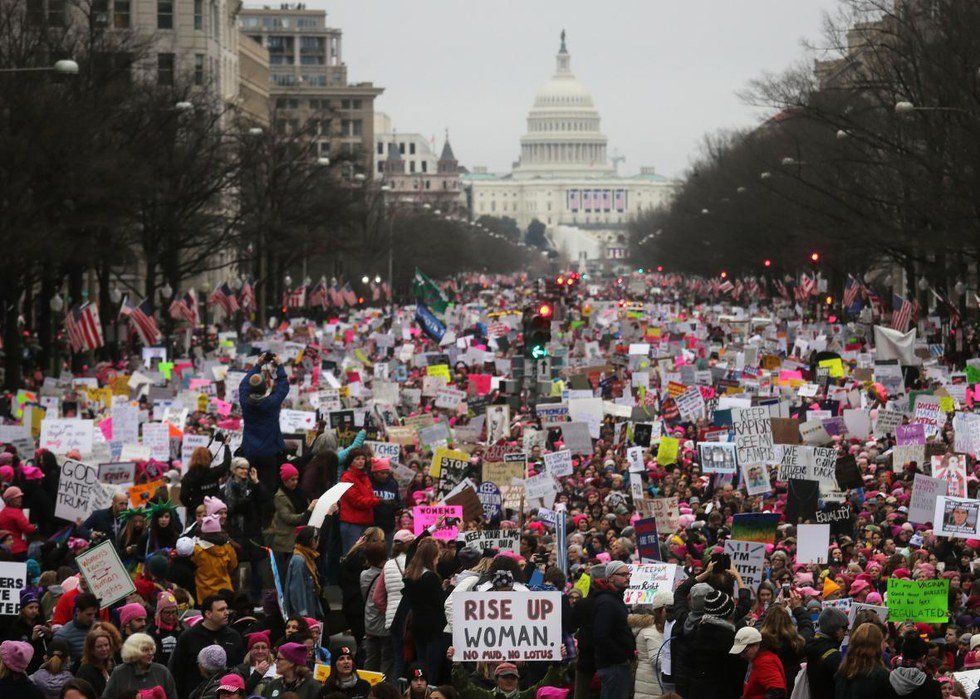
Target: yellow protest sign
{"x":442,"y":455}
{"x":947,"y":404}
{"x":321,"y":671}
{"x":439,"y":370}
{"x":836,"y":367}
{"x":667,"y":453}
{"x":140,"y":494}
{"x":362,"y":358}
{"x":119,"y":385}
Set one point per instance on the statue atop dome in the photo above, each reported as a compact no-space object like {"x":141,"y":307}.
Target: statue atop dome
{"x":563,"y":49}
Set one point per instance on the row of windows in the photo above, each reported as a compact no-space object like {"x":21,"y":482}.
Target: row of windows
{"x":314,"y":79}
{"x":421,"y":184}
{"x":278,"y":22}
{"x":166,"y":68}
{"x":412,"y":168}
{"x":391,"y":146}
{"x":563,"y":125}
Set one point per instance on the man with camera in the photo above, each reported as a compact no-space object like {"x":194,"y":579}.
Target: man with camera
{"x":261,"y":396}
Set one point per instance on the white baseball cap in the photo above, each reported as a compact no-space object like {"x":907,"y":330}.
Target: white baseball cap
{"x":746,"y":636}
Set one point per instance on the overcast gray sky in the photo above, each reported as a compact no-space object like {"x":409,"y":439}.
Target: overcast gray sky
{"x":662,"y":72}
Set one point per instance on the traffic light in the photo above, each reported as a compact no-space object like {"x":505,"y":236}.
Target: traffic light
{"x":537,"y":330}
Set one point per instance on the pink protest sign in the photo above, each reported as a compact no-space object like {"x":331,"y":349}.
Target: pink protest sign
{"x":425,"y":516}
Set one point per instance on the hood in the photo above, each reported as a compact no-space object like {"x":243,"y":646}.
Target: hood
{"x":699,"y":593}
{"x":905,"y":680}
{"x":48,"y":683}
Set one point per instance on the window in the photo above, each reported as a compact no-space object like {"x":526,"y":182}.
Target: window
{"x":283,"y":80}
{"x":281,"y":49}
{"x":411,"y":166}
{"x":312,"y":50}
{"x":198,"y":68}
{"x":165,"y":16}
{"x":411,"y":148}
{"x":381,"y":165}
{"x":345,"y":104}
{"x":165,"y":68}
{"x":56,"y":13}
{"x":401,"y":148}
{"x":425,"y":166}
{"x":356,"y":104}
{"x":121,"y":14}
{"x":215,"y":27}
{"x":326,"y":127}
{"x":306,"y":23}
{"x":249,"y":22}
{"x":428,"y":183}
{"x":316,"y":80}
{"x":198,"y":15}
{"x":381,"y":148}
{"x":100,"y":13}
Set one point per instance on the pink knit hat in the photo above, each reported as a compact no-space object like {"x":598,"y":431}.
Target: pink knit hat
{"x":213,"y":506}
{"x":287,"y":471}
{"x":211,"y":524}
{"x":16,"y":655}
{"x":131,"y":611}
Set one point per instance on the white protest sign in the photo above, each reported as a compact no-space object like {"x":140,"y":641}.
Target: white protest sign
{"x":325,"y":501}
{"x":294,"y":421}
{"x":957,"y":517}
{"x":507,"y":626}
{"x":189,"y":443}
{"x":13,"y":579}
{"x":748,"y":557}
{"x":823,"y":467}
{"x":494,"y":539}
{"x":856,"y":607}
{"x":105,"y":574}
{"x":753,"y":436}
{"x":125,"y":423}
{"x":922,"y":503}
{"x":384,"y":450}
{"x":559,"y":463}
{"x":76,"y":497}
{"x":449,"y":398}
{"x":667,"y":513}
{"x":886,"y":422}
{"x":812,"y":543}
{"x":647,"y":579}
{"x":690,"y":405}
{"x":118,"y":472}
{"x":541,"y":486}
{"x":156,"y":436}
{"x":61,"y":436}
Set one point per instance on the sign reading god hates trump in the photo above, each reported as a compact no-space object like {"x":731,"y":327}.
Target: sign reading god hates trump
{"x":507,"y":626}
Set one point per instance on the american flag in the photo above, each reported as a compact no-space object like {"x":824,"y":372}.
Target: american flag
{"x":781,"y":288}
{"x":851,"y":290}
{"x":83,"y":327}
{"x":349,"y":296}
{"x":246,"y":297}
{"x":808,"y":285}
{"x":318,"y":296}
{"x":901,"y":313}
{"x":386,"y":290}
{"x":336,"y":298}
{"x":185,"y":308}
{"x":725,"y":286}
{"x":223,"y":296}
{"x":141,"y":316}
{"x":375,"y":292}
{"x":497,"y":329}
{"x":297,"y":297}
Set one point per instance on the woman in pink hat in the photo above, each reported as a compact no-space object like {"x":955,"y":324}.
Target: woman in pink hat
{"x":12,"y":519}
{"x":15,"y":656}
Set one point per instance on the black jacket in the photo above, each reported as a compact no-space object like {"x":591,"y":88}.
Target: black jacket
{"x":183,"y":661}
{"x":426,"y":600}
{"x":714,"y":672}
{"x":790,"y":659}
{"x":614,"y":642}
{"x":822,"y":660}
{"x":199,"y":483}
{"x":874,"y":685}
{"x":584,"y":611}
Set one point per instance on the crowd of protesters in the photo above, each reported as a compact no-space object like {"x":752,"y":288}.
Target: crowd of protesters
{"x":243,"y":587}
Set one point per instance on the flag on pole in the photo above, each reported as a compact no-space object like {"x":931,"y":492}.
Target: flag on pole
{"x":336,"y":298}
{"x":297,"y":297}
{"x":349,"y":296}
{"x":246,"y":297}
{"x":851,"y":290}
{"x":318,"y":296}
{"x":375,"y":292}
{"x":185,"y":308}
{"x":808,"y":285}
{"x":223,"y":296}
{"x":901,"y":313}
{"x":84,"y":328}
{"x":141,"y":316}
{"x":429,"y":293}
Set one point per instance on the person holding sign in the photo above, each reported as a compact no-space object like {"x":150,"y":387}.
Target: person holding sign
{"x":507,"y":678}
{"x":261,"y":399}
{"x":358,"y":503}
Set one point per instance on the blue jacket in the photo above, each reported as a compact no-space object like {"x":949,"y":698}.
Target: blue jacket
{"x":261,"y":435}
{"x":298,"y":590}
{"x":102,"y":521}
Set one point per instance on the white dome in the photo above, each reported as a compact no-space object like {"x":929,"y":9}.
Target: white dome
{"x":563,"y":91}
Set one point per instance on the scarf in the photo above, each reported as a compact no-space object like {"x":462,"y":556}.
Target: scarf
{"x":309,"y":557}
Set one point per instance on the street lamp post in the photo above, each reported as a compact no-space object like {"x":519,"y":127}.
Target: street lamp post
{"x":65,"y":66}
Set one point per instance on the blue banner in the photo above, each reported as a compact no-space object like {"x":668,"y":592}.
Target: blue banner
{"x":431,"y":325}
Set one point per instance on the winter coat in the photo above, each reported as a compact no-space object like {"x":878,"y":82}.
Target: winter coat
{"x":261,"y":436}
{"x":614,"y":642}
{"x":20,"y":686}
{"x":465,"y":582}
{"x":214,"y":566}
{"x":870,"y":686}
{"x":13,"y":520}
{"x":299,"y":591}
{"x":425,"y":598}
{"x":50,"y":685}
{"x":94,"y":677}
{"x":282,"y":531}
{"x":584,"y":612}
{"x":374,"y":618}
{"x":100,"y":521}
{"x":646,"y":684}
{"x":468,"y":690}
{"x":822,"y":660}
{"x":357,"y":504}
{"x":394,"y":572}
{"x":714,"y":672}
{"x":306,"y":689}
{"x":199,"y":483}
{"x":913,"y":683}
{"x":766,"y":675}
{"x":127,"y":677}
{"x":183,"y":661}
{"x":244,"y":500}
{"x":388,"y":503}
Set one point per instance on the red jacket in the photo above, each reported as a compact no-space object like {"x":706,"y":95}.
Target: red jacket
{"x":357,"y":504}
{"x":766,"y":674}
{"x":13,"y":520}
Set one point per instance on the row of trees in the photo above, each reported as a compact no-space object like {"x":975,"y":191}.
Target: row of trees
{"x":113,"y":179}
{"x":869,"y":160}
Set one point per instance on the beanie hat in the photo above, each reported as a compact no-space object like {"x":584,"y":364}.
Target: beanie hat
{"x":213,"y":658}
{"x":295,"y":653}
{"x":258,"y":637}
{"x":27,"y":596}
{"x":337,"y":652}
{"x":6,"y":473}
{"x":31,"y":473}
{"x":16,"y":655}
{"x":231,"y":683}
{"x":156,"y":692}
{"x":699,"y":593}
{"x":11,"y":493}
{"x":6,"y":458}
{"x":157,"y":566}
{"x":256,"y":383}
{"x":831,"y":620}
{"x":166,"y":600}
{"x":213,"y":506}
{"x":211,"y":524}
{"x":184,"y":546}
{"x":405,"y":536}
{"x":287,"y":471}
{"x":718,"y":604}
{"x":614,"y":567}
{"x":131,"y":611}
{"x":380,"y":465}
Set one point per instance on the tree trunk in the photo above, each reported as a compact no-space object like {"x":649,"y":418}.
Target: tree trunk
{"x":45,"y":332}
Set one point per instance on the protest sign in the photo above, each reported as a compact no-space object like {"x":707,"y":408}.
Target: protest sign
{"x":449,"y":398}
{"x":464,"y":495}
{"x":690,"y":405}
{"x":502,"y":472}
{"x":823,"y":467}
{"x":667,"y":451}
{"x":426,"y":515}
{"x":507,"y":626}
{"x":748,"y":557}
{"x":812,"y":543}
{"x":886,"y":422}
{"x":125,"y":422}
{"x":647,"y":579}
{"x":756,"y":478}
{"x":847,"y":473}
{"x":13,"y":579}
{"x":839,"y":519}
{"x":856,"y":607}
{"x":759,"y":527}
{"x":542,"y":486}
{"x":717,"y":457}
{"x":61,"y":436}
{"x":753,"y":436}
{"x":576,"y":437}
{"x":117,"y":472}
{"x":297,"y":421}
{"x":325,"y":501}
{"x":957,"y":517}
{"x":493,"y":539}
{"x":76,"y":497}
{"x":634,"y":456}
{"x":903,"y":454}
{"x":188,"y":443}
{"x":794,"y":464}
{"x":156,"y":436}
{"x":918,"y":600}
{"x":802,"y":498}
{"x":929,"y":414}
{"x":498,"y":423}
{"x":952,"y":469}
{"x":490,"y":498}
{"x":385,"y":450}
{"x":140,"y":494}
{"x":913,"y":433}
{"x":922,"y":503}
{"x":667,"y":513}
{"x":105,"y":574}
{"x":559,"y":463}
{"x":647,"y":539}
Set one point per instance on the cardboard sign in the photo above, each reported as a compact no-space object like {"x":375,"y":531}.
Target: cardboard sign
{"x":118,"y":472}
{"x":425,"y":516}
{"x":507,"y":626}
{"x":156,"y":436}
{"x":718,"y":457}
{"x":79,"y":491}
{"x":753,"y":436}
{"x":667,"y":513}
{"x":493,"y":539}
{"x":502,"y":472}
{"x":105,"y":574}
{"x":647,"y":579}
{"x":141,"y":493}
{"x":576,"y":437}
{"x":812,"y":543}
{"x":61,"y":436}
{"x":559,"y":463}
{"x":918,"y":600}
{"x":957,"y":517}
{"x":922,"y":502}
{"x":13,"y":579}
{"x":541,"y":486}
{"x":647,"y":540}
{"x":748,"y":557}
{"x":385,"y":450}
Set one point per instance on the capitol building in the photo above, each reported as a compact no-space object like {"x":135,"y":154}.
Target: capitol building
{"x":564,"y":178}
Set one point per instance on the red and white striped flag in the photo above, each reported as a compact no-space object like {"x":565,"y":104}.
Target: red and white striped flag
{"x":349,"y":296}
{"x":83,"y":327}
{"x":336,"y":298}
{"x":901,"y":313}
{"x":185,"y":308}
{"x":317,"y":296}
{"x":808,"y":285}
{"x":223,"y":296}
{"x":246,"y":297}
{"x":297,"y":297}
{"x":141,"y":316}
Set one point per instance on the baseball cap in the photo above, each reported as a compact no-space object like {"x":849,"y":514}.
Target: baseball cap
{"x":505,"y":669}
{"x":231,"y":683}
{"x":746,"y":636}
